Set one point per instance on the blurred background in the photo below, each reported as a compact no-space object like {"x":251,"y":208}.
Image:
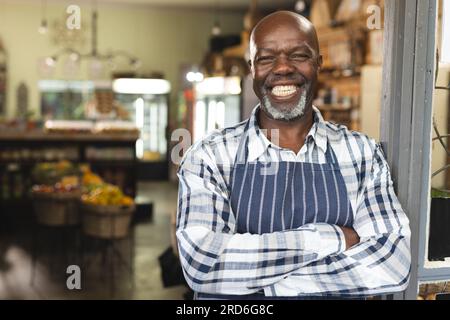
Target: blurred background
{"x":90,"y":94}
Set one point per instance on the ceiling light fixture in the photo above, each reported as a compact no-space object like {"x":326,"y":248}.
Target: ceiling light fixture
{"x":193,"y":76}
{"x":300,"y":6}
{"x":94,"y":55}
{"x":216,"y":29}
{"x":141,"y":86}
{"x":43,"y":28}
{"x":219,"y":86}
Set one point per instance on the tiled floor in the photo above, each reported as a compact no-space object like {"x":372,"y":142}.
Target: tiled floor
{"x":151,"y":239}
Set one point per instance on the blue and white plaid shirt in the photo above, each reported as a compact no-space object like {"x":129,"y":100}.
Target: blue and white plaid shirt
{"x":310,"y":260}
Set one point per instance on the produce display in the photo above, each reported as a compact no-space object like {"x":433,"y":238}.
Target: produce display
{"x":79,"y":195}
{"x":50,"y":173}
{"x":56,"y":188}
{"x":106,"y":195}
{"x":106,"y":211}
{"x":64,"y":177}
{"x":56,"y":193}
{"x":91,"y":179}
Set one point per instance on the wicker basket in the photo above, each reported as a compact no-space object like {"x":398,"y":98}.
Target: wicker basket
{"x":57,"y":209}
{"x":107,"y":222}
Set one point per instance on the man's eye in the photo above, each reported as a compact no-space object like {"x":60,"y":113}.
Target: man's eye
{"x":265,"y":59}
{"x":300,"y":56}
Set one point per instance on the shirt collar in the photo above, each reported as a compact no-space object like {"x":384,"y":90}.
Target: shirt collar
{"x":258,"y":142}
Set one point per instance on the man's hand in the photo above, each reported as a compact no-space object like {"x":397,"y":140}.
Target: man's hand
{"x":351,"y":237}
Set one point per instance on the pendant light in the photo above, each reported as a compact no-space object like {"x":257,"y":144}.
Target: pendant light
{"x":43,"y":28}
{"x":97,"y":62}
{"x":216,"y":29}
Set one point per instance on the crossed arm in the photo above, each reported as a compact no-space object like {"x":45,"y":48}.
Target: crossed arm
{"x":312,"y":259}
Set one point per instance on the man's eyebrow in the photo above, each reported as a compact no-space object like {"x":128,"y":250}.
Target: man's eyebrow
{"x":299,"y":47}
{"x":303,"y":46}
{"x":265,"y":49}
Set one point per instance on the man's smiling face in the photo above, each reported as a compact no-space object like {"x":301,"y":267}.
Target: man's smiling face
{"x":285,"y":63}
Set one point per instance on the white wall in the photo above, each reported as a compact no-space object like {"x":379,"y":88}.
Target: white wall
{"x":162,"y":38}
{"x":371,"y":78}
{"x":371,"y":81}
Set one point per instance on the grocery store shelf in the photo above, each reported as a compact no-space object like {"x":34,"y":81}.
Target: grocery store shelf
{"x":29,"y":162}
{"x":42,"y":135}
{"x":334,"y":107}
{"x":111,"y":162}
{"x":17,"y":202}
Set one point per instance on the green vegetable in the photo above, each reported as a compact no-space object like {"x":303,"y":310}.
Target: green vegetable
{"x":50,"y":173}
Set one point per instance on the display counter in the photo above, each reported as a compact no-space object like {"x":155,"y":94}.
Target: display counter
{"x":111,"y":155}
{"x":41,"y":135}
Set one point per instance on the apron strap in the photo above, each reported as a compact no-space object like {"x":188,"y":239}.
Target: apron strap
{"x":330,"y":156}
{"x":242,"y":152}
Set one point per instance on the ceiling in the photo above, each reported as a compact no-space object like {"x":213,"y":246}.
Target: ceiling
{"x":207,"y":4}
{"x":227,"y":5}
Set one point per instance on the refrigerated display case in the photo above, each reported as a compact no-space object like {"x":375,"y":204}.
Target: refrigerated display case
{"x":65,"y":99}
{"x":218,"y":104}
{"x":147,"y":102}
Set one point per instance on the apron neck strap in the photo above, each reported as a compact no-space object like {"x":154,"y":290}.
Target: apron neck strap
{"x":242,"y":152}
{"x":330,"y":156}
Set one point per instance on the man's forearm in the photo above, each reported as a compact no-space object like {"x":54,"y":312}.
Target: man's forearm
{"x":377,"y":265}
{"x":243,"y":263}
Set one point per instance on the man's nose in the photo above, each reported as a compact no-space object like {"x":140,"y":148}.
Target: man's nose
{"x":283,"y":66}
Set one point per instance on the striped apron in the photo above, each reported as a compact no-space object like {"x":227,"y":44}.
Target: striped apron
{"x":277,"y":196}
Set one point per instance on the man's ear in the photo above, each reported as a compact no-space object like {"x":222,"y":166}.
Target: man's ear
{"x":319,"y":63}
{"x":252,"y":69}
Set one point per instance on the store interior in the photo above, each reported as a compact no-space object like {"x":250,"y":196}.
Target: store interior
{"x":95,"y":101}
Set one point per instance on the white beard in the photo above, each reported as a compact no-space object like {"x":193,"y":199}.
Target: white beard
{"x":286,"y":114}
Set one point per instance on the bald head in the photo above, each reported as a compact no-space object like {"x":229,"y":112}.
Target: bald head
{"x":285,"y":62}
{"x":284,"y":19}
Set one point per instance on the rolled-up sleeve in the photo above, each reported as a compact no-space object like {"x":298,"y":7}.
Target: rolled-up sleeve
{"x":380,"y":263}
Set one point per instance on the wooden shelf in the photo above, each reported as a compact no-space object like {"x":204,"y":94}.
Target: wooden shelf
{"x":335,"y":107}
{"x":326,"y":75}
{"x":111,"y":162}
{"x":30,"y":163}
{"x":116,"y":171}
{"x":42,"y":135}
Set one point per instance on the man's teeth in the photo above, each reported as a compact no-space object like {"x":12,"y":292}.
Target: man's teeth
{"x":283,"y":91}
